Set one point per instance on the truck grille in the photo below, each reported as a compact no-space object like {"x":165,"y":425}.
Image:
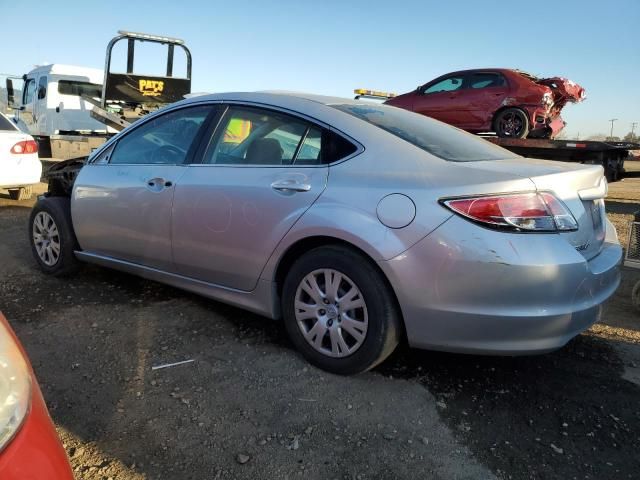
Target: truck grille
{"x":633,"y":249}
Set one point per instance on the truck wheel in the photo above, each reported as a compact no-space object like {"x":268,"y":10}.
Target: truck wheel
{"x":51,"y":236}
{"x":339,"y":311}
{"x":22,"y":193}
{"x":511,"y":123}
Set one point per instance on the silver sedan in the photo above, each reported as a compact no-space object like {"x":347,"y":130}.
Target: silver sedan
{"x":357,"y":224}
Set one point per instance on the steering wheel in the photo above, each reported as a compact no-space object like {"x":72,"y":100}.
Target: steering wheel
{"x":168,"y":154}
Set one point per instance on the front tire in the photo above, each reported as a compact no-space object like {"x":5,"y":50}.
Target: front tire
{"x":51,"y":235}
{"x":339,"y":311}
{"x":22,"y":193}
{"x":511,"y":123}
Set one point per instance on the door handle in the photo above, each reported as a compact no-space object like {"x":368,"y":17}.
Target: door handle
{"x":290,"y":186}
{"x":158,"y":184}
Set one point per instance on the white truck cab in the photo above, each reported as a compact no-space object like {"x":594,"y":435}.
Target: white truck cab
{"x":51,"y":102}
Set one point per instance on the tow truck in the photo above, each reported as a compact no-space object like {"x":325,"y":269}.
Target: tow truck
{"x":611,"y":155}
{"x":71,"y":110}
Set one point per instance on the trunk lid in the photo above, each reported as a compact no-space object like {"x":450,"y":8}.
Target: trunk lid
{"x":563,"y":90}
{"x":582,"y":188}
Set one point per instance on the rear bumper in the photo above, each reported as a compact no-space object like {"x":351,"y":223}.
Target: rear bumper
{"x":28,"y":172}
{"x":468,"y":289}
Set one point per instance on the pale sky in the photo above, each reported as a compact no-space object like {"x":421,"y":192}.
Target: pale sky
{"x":332,"y":47}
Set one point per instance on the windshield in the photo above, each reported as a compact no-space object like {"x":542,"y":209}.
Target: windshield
{"x":435,"y":137}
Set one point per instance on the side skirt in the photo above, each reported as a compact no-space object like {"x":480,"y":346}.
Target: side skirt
{"x":260,"y":300}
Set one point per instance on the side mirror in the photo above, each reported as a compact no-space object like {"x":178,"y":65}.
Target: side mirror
{"x":10,"y":94}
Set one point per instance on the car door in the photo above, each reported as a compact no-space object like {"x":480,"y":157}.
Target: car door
{"x":443,"y":99}
{"x":121,"y":203}
{"x":485,"y":94}
{"x":27,"y":113}
{"x":260,"y":172}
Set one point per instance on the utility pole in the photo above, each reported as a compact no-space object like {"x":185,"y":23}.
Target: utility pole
{"x":611,"y":135}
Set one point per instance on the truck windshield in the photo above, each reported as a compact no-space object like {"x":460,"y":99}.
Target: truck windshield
{"x":435,"y":137}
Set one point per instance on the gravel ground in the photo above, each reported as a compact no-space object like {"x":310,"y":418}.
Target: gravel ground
{"x":249,"y":407}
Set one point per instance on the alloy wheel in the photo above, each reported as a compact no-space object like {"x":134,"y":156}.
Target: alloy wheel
{"x":46,"y":238}
{"x":331,"y":313}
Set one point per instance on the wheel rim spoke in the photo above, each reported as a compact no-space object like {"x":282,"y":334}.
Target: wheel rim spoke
{"x":316,"y":334}
{"x":332,"y":281}
{"x":353,"y":327}
{"x":310,"y":285}
{"x":338,"y":345}
{"x":351,"y":300}
{"x":304,"y":311}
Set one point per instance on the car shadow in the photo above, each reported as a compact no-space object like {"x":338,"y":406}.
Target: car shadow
{"x":624,"y":208}
{"x":566,"y":414}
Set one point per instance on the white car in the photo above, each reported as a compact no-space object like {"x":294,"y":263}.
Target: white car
{"x":20,"y":167}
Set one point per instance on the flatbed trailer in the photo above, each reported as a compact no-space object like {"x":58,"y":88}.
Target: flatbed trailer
{"x":611,"y":155}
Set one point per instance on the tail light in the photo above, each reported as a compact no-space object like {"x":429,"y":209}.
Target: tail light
{"x":524,"y":212}
{"x":26,"y":146}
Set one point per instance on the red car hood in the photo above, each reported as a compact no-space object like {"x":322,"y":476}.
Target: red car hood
{"x":563,"y":90}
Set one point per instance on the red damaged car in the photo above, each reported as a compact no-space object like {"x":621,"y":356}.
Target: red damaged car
{"x":29,"y":445}
{"x":510,"y":103}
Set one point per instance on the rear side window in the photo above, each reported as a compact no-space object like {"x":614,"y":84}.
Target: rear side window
{"x":6,"y":124}
{"x":335,"y":147}
{"x":260,"y":137}
{"x":486,"y":80}
{"x":69,"y":87}
{"x":435,"y":137}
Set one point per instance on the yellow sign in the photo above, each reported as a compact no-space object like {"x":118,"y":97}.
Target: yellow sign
{"x":237,"y":130}
{"x":151,"y":88}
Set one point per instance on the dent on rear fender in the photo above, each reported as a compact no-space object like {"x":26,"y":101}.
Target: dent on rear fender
{"x":351,"y":225}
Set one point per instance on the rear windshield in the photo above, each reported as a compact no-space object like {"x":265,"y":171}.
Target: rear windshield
{"x":6,"y":124}
{"x":435,"y":137}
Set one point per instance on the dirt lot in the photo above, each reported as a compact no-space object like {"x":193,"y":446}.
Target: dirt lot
{"x":250,"y":407}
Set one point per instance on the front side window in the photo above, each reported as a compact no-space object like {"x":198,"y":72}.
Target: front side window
{"x":435,"y":137}
{"x":29,"y":90}
{"x":486,"y":80}
{"x":166,"y":139}
{"x":42,"y":88}
{"x":449,"y":84}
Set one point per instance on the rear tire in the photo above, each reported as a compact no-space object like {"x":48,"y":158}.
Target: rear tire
{"x":511,"y":123}
{"x":22,"y":193}
{"x":51,"y":236}
{"x":345,"y":329}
